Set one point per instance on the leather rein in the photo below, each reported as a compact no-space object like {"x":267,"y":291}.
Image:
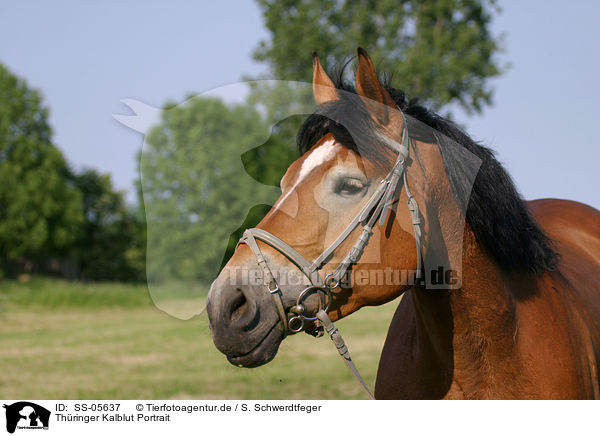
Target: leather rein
{"x":376,"y":209}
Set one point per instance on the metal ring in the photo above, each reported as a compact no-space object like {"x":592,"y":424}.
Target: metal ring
{"x":326,"y":301}
{"x":329,"y":284}
{"x":296,"y":319}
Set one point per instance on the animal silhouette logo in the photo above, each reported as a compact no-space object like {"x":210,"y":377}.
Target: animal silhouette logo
{"x":26,"y":415}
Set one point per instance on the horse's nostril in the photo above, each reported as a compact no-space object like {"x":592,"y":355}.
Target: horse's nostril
{"x":239,"y":305}
{"x":232,"y":309}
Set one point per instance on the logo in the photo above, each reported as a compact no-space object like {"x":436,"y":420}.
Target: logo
{"x":26,"y":415}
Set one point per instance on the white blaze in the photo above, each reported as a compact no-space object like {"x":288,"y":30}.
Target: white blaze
{"x":317,"y":157}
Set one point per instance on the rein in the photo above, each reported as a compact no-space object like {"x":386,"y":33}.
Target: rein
{"x":377,"y":208}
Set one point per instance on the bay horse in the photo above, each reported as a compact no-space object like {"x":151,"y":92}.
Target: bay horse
{"x":521,"y":322}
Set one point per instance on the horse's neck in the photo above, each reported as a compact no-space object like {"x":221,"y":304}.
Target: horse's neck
{"x":465,"y":330}
{"x":452,"y":342}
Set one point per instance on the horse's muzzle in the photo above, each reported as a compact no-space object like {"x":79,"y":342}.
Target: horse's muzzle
{"x":245,"y":325}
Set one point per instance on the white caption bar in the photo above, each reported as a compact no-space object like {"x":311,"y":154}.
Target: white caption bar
{"x":149,"y":417}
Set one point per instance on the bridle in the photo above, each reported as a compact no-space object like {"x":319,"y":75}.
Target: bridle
{"x":375,"y":209}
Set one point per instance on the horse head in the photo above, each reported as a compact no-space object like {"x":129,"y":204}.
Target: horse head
{"x":339,"y":206}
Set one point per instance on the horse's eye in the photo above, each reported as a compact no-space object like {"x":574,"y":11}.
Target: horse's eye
{"x":348,"y":187}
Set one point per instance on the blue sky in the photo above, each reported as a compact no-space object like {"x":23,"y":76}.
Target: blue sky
{"x":85,"y":57}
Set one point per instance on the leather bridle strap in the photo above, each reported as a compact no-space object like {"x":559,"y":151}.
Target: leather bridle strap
{"x":284,"y":248}
{"x":268,"y":277}
{"x":415,"y":216}
{"x":337,"y":339}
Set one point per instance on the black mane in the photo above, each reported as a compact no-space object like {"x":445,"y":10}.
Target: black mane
{"x":496,"y":213}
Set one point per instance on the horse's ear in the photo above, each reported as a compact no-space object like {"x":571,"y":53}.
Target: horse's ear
{"x":323,"y":87}
{"x":374,"y":96}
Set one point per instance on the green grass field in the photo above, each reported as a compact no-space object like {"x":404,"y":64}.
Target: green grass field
{"x":63,"y":340}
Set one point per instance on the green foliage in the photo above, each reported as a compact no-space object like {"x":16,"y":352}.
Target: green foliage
{"x":195,"y":189}
{"x":50,"y":214}
{"x":40,"y":210}
{"x":112,"y":241}
{"x":441,"y":51}
{"x":268,"y":162}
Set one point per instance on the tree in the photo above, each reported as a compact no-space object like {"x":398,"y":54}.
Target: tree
{"x":112,"y":241}
{"x":441,"y":51}
{"x":40,"y":209}
{"x":196,"y":191}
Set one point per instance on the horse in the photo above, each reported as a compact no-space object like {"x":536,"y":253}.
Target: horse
{"x":520,"y":321}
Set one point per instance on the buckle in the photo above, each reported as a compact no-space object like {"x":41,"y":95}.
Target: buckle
{"x":274,"y":290}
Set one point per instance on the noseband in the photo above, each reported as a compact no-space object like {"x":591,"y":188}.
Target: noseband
{"x":377,"y":208}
